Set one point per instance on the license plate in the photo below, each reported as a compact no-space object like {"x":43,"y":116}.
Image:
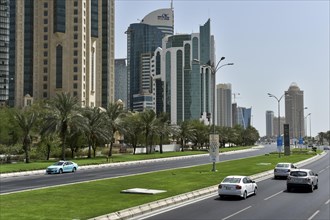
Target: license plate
{"x":228,"y":188}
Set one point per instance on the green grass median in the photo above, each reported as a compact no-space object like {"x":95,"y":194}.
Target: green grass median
{"x":115,"y":158}
{"x":87,"y":200}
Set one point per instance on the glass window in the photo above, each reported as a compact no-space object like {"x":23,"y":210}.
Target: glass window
{"x":75,"y":53}
{"x":75,"y":20}
{"x":75,"y":11}
{"x":75,"y":85}
{"x":75,"y":36}
{"x":45,"y":21}
{"x":75,"y":28}
{"x":75,"y":3}
{"x":45,"y":78}
{"x":45,"y":86}
{"x":46,"y":5}
{"x":45,"y":45}
{"x":45,"y":94}
{"x":45,"y":13}
{"x":75,"y":44}
{"x":45,"y":62}
{"x":45,"y":37}
{"x":45,"y":29}
{"x":75,"y":69}
{"x":75,"y":61}
{"x":45,"y":70}
{"x":75,"y":77}
{"x":45,"y":53}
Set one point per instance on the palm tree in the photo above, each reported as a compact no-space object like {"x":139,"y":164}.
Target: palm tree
{"x":62,"y":117}
{"x":95,"y":128}
{"x":26,"y":122}
{"x":163,"y":128}
{"x":114,"y":113}
{"x":132,"y":129}
{"x":148,"y":124}
{"x":184,"y":133}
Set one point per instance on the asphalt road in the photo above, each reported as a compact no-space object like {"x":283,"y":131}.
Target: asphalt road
{"x":271,"y":202}
{"x":21,"y":183}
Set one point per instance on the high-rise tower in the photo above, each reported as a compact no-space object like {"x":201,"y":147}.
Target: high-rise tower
{"x":294,"y":111}
{"x":62,"y":46}
{"x":224,"y":105}
{"x":4,"y":51}
{"x":142,"y":40}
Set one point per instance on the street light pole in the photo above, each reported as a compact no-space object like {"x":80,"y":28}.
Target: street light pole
{"x":300,"y":119}
{"x":279,"y":144}
{"x":214,"y":70}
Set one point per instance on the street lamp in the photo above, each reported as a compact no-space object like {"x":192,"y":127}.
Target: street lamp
{"x":214,"y":70}
{"x":300,"y":138}
{"x":309,"y":114}
{"x":279,"y":140}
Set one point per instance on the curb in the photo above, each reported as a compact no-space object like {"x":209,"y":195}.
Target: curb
{"x":38,"y":172}
{"x":148,"y":207}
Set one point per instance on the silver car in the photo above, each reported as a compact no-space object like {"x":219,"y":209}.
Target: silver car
{"x":302,"y":178}
{"x":283,"y":169}
{"x":241,"y":186}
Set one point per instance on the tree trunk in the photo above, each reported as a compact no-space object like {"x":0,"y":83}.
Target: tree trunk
{"x":27,"y":156}
{"x":48,"y":151}
{"x":63,"y":147}
{"x":110,"y":150}
{"x":161,"y":144}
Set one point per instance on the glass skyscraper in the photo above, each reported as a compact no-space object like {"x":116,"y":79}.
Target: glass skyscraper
{"x":180,"y":76}
{"x":142,"y":40}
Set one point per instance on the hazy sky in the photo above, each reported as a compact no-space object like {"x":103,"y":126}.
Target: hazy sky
{"x":271,"y":43}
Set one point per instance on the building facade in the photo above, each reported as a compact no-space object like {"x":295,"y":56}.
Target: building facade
{"x":244,"y":116}
{"x":121,"y":80}
{"x":62,"y":46}
{"x":224,"y":105}
{"x":275,"y":126}
{"x":182,"y":83}
{"x":269,"y":124}
{"x":142,"y":40}
{"x":294,"y":111}
{"x":4,"y":52}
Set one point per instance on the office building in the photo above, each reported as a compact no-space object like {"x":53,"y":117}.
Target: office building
{"x":142,"y":40}
{"x":270,"y":124}
{"x":4,"y":52}
{"x":224,"y":105}
{"x":62,"y":46}
{"x":244,"y":116}
{"x":275,"y":125}
{"x":182,"y":82}
{"x":121,"y":80}
{"x":294,"y":111}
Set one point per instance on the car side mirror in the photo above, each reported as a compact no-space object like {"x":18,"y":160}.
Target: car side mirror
{"x":316,"y":174}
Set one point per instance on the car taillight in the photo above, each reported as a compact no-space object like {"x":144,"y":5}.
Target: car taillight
{"x":219,"y":186}
{"x":288,"y":170}
{"x":238,"y":187}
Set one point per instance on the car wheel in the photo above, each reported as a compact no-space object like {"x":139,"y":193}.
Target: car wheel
{"x":221,"y":196}
{"x":255,"y":191}
{"x":288,"y":188}
{"x":73,"y":170}
{"x":60,"y":171}
{"x":311,"y":189}
{"x":245,"y":195}
{"x":275,"y":177}
{"x":317,"y":185}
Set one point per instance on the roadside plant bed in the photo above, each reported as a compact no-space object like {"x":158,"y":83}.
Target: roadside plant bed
{"x":87,"y":200}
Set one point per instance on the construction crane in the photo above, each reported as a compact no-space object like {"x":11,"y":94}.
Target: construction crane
{"x":234,"y":95}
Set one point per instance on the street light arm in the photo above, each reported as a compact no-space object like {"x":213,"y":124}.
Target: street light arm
{"x":227,"y":64}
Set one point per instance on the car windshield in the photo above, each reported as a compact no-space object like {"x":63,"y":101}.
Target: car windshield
{"x":58,"y":163}
{"x":282,"y":165}
{"x":231,"y":180}
{"x":298,"y":173}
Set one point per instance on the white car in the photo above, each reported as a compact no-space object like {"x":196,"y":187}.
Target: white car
{"x":241,"y":186}
{"x":62,"y":167}
{"x":283,"y":169}
{"x":302,"y":178}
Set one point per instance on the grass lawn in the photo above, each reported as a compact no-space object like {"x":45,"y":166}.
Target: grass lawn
{"x":87,"y":200}
{"x":37,"y":165}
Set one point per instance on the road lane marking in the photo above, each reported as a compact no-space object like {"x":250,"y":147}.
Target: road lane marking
{"x":273,"y":195}
{"x":315,"y":213}
{"x":236,"y":213}
{"x":327,"y":202}
{"x":321,"y":170}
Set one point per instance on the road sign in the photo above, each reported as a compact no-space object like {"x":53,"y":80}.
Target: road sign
{"x":214,"y":148}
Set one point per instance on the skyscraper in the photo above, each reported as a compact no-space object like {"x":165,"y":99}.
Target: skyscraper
{"x":4,"y":51}
{"x":269,"y":124}
{"x":121,"y":80}
{"x":224,"y":105}
{"x":294,"y":111}
{"x":142,"y":40}
{"x":62,"y":46}
{"x":244,"y":116}
{"x":181,"y":80}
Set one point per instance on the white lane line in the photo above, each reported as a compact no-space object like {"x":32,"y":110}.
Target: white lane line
{"x":327,"y":202}
{"x":321,"y":170}
{"x":236,"y":213}
{"x":310,"y":218}
{"x":273,"y":195}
